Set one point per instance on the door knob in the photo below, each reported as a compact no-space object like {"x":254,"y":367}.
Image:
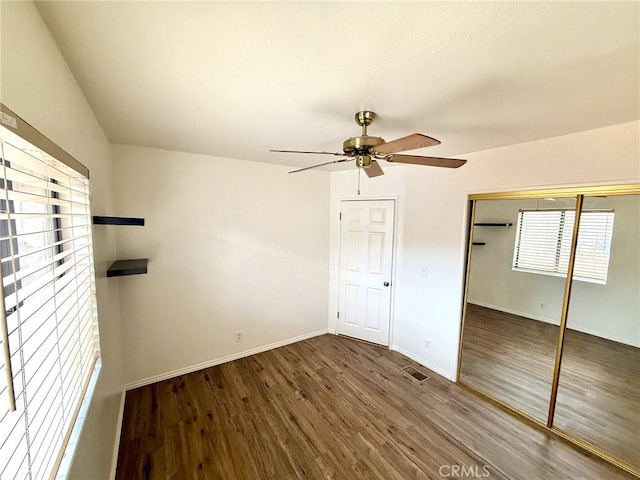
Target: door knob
{"x":386,"y":284}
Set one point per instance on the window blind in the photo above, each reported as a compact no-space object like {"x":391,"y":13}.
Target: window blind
{"x":543,"y":243}
{"x":49,"y":318}
{"x":594,"y":246}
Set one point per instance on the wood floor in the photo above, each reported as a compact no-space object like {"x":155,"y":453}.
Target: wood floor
{"x":511,"y":358}
{"x":332,"y":408}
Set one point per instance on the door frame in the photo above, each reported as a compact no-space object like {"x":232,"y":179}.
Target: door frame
{"x":394,"y":244}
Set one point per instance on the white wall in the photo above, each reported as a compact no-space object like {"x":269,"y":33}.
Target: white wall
{"x":432,"y":209}
{"x":610,"y":311}
{"x":37,"y":84}
{"x":232,"y":245}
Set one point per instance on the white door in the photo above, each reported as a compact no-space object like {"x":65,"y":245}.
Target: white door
{"x":366,"y":249}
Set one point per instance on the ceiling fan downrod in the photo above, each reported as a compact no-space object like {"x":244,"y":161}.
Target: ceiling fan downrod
{"x":364,"y":119}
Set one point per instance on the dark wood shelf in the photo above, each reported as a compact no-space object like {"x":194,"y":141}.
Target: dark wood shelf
{"x":129,"y":221}
{"x":479,"y":243}
{"x":120,"y":268}
{"x":492,"y":224}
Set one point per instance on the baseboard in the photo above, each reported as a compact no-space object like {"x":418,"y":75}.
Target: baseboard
{"x":332,"y":331}
{"x":423,"y":362}
{"x":530,"y":316}
{"x":116,"y":446}
{"x":221,"y":360}
{"x":611,"y":338}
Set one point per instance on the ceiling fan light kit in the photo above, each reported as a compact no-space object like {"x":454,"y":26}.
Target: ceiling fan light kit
{"x":366,"y":150}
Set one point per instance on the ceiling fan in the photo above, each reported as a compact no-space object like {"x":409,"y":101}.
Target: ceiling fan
{"x":367,"y":150}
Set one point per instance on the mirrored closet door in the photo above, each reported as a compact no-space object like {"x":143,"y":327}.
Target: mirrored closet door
{"x":562,"y":353}
{"x":598,"y":397}
{"x":514,"y":300}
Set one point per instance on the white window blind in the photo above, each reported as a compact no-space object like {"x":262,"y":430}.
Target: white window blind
{"x":543,"y":243}
{"x":49,"y":312}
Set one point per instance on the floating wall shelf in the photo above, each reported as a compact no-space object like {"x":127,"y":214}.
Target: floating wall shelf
{"x":492,"y":224}
{"x":131,"y":221}
{"x":120,"y":268}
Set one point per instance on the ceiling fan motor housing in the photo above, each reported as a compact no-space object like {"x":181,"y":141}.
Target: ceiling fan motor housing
{"x":362,"y":145}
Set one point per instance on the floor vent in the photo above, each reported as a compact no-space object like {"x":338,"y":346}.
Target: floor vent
{"x":415,"y":373}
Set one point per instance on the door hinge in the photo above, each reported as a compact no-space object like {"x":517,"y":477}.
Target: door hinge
{"x":340,"y":215}
{"x":338,"y":314}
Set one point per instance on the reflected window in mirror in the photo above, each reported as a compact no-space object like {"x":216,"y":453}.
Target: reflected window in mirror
{"x":543,"y":243}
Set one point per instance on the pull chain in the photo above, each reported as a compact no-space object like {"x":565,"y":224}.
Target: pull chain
{"x":359,"y":171}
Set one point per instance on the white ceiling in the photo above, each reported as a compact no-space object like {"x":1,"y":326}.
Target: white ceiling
{"x":237,"y":79}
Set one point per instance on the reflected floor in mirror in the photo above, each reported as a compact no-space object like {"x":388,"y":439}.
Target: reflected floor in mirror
{"x":511,"y":359}
{"x":599,"y":394}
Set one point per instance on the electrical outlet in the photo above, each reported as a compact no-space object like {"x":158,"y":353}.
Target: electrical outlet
{"x":543,"y":305}
{"x":239,"y":336}
{"x":424,"y":272}
{"x":427,"y":345}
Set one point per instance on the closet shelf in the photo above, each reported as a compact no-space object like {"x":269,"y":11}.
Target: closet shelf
{"x":120,"y":268}
{"x":129,"y":221}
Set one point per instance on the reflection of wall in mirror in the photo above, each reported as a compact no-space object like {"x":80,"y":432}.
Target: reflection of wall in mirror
{"x":610,"y":311}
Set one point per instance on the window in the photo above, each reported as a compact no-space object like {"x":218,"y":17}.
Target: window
{"x":543,"y":243}
{"x":48,"y":316}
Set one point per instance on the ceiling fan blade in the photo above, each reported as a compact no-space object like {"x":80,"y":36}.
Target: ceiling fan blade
{"x":373,"y":170}
{"x":429,"y":161}
{"x":321,"y":164}
{"x":410,"y":142}
{"x":317,"y":153}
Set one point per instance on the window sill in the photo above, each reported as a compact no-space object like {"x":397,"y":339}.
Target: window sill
{"x":70,"y":448}
{"x":597,"y":281}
